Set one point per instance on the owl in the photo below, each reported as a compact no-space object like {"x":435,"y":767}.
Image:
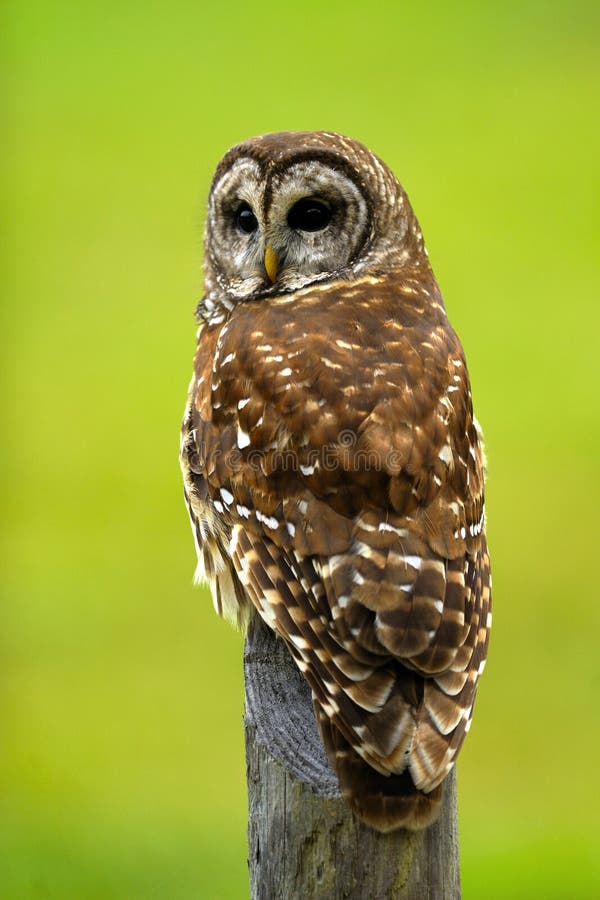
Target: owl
{"x":332,"y":464}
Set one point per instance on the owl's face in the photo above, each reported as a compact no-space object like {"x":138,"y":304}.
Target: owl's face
{"x":286,"y":210}
{"x":306,"y":220}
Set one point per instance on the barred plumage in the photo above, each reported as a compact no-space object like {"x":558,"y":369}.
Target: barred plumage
{"x":333,"y":467}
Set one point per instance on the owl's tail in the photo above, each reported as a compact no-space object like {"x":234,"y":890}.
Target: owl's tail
{"x":382,"y":802}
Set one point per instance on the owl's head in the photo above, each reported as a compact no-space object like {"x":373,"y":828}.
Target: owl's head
{"x":289,"y":209}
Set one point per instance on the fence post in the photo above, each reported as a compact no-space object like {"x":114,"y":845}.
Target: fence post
{"x":303,"y":841}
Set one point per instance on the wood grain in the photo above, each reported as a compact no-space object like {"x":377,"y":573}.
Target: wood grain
{"x":303,"y":840}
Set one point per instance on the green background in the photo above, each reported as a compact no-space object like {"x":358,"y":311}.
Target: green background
{"x":122,"y":763}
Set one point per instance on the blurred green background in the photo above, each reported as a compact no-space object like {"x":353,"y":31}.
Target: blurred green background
{"x":122,"y":762}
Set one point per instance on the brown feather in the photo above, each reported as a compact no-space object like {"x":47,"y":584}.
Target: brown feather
{"x":334,"y":476}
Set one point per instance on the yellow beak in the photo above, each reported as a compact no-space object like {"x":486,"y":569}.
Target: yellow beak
{"x":271,"y":263}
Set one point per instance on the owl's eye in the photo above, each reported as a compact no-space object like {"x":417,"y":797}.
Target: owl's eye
{"x":309,"y":215}
{"x":245,"y":219}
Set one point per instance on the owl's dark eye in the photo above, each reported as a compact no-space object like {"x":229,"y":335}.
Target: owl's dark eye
{"x":245,"y":219}
{"x":309,"y":215}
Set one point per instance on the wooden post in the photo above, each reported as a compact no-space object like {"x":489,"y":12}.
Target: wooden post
{"x":303,"y":841}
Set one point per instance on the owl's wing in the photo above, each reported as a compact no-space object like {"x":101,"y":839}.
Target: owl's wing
{"x":200,"y":451}
{"x":391,"y":642}
{"x":371,"y":563}
{"x":431,"y":615}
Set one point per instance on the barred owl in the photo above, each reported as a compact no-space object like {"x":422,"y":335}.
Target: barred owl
{"x":332,"y":464}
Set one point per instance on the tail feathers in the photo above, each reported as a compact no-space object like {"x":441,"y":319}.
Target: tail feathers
{"x":382,"y":802}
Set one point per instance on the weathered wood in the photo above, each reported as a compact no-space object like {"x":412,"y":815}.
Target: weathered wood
{"x":303,"y":840}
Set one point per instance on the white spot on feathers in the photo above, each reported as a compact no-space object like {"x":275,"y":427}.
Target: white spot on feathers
{"x":298,"y":641}
{"x":270,"y":521}
{"x":243,"y":438}
{"x":227,"y":496}
{"x":445,"y":454}
{"x":385,"y":526}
